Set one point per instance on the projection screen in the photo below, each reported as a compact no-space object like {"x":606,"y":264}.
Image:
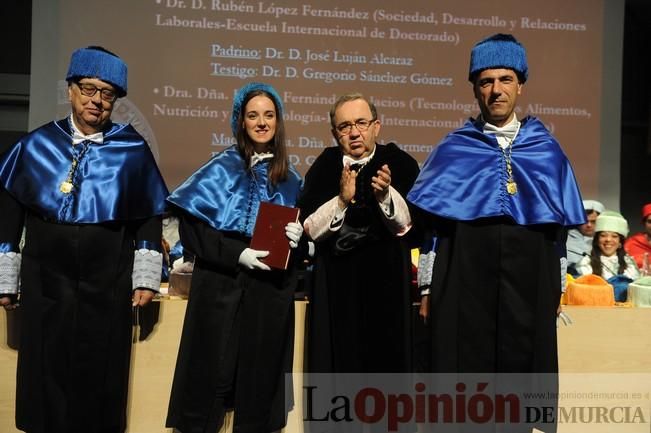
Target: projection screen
{"x":187,"y":58}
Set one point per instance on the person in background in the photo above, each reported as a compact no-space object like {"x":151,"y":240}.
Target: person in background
{"x":353,"y":201}
{"x":499,"y":195}
{"x":579,"y":239}
{"x":238,"y":333}
{"x":639,"y":245}
{"x":607,"y":256}
{"x":91,"y":199}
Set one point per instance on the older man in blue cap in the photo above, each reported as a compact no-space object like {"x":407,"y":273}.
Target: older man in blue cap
{"x":90,"y":197}
{"x":498,"y":193}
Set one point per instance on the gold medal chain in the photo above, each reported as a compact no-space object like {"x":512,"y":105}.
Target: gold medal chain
{"x":511,"y":186}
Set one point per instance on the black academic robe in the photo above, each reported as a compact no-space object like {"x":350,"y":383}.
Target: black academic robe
{"x":75,"y":320}
{"x":359,"y":311}
{"x":496,"y":281}
{"x":494,"y":295}
{"x":77,"y":263}
{"x":237,"y":341}
{"x":495,"y":291}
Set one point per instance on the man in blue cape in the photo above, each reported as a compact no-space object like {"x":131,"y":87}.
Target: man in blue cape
{"x":90,"y":197}
{"x":498,"y":194}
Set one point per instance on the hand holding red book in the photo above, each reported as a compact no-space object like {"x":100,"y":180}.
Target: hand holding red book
{"x":269,"y":233}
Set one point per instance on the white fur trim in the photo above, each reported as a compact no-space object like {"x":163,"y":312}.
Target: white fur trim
{"x":9,"y":273}
{"x":563,"y":274}
{"x":425,"y":268}
{"x":147,"y":268}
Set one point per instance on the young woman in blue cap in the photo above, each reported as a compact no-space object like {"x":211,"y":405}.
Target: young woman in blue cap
{"x":237,"y":341}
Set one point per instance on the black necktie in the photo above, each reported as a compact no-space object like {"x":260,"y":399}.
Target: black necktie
{"x":356,"y":167}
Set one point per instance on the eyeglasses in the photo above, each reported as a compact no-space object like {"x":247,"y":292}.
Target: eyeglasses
{"x":89,"y":90}
{"x":361,"y":125}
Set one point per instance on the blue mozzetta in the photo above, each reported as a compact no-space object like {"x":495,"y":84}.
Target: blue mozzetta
{"x":463,"y":179}
{"x":115,"y":181}
{"x":227,"y":197}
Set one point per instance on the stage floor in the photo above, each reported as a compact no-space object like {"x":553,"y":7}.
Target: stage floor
{"x":609,"y":343}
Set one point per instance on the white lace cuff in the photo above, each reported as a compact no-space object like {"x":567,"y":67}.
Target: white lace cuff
{"x":147,"y":268}
{"x":338,"y":219}
{"x":563,"y":274}
{"x":425,"y":268}
{"x":396,"y":213}
{"x":386,"y":206}
{"x":9,"y":273}
{"x":327,"y":219}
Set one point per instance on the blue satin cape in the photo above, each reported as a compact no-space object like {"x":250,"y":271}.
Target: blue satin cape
{"x":226,"y":196}
{"x":117,"y":180}
{"x":464,"y":178}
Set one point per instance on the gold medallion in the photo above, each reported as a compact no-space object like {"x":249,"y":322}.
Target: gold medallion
{"x":511,"y":187}
{"x":65,"y":187}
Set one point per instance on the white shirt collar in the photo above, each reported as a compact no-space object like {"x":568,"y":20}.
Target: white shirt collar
{"x":504,"y":134}
{"x":259,"y":157}
{"x":80,"y":137}
{"x":360,"y":162}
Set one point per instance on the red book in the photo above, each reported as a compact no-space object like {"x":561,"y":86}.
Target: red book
{"x":269,"y":233}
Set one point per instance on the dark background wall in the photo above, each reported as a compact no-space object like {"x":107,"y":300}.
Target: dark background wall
{"x":15,"y":38}
{"x":636,"y":112}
